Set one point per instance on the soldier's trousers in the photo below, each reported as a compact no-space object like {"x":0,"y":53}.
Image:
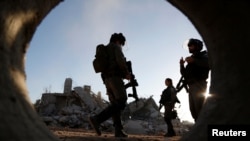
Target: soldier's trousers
{"x":118,"y":97}
{"x":197,"y":97}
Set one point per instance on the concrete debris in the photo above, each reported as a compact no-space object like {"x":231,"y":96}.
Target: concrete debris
{"x":72,"y":108}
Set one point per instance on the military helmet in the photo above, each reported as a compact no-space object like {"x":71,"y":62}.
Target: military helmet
{"x":196,"y":43}
{"x":118,"y":37}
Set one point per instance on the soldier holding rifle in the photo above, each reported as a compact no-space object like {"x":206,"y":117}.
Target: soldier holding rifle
{"x":195,"y":74}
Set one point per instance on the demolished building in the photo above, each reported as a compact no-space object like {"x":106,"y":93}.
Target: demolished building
{"x":72,"y":108}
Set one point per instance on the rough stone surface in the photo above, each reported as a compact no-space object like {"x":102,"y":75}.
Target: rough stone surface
{"x":72,"y":111}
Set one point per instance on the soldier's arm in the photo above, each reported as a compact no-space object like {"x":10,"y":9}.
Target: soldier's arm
{"x":121,"y":60}
{"x":173,"y":97}
{"x":182,"y":68}
{"x":203,"y":61}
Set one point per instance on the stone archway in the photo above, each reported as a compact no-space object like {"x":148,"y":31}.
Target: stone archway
{"x":222,"y":24}
{"x":19,"y":20}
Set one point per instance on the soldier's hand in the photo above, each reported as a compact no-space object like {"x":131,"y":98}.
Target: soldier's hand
{"x":182,"y":61}
{"x":128,"y":77}
{"x":189,"y":59}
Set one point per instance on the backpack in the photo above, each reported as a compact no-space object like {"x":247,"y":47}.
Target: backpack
{"x":100,"y":62}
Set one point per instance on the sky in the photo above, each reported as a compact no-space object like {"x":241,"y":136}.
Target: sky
{"x":64,"y":44}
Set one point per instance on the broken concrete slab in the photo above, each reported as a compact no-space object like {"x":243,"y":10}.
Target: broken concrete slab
{"x":72,"y":110}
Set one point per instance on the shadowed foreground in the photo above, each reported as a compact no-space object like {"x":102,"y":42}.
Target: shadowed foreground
{"x":67,"y":134}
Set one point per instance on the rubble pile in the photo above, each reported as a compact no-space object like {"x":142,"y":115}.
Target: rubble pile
{"x":72,"y":108}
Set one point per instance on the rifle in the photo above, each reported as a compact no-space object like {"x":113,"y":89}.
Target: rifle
{"x":132,"y":83}
{"x":181,"y":84}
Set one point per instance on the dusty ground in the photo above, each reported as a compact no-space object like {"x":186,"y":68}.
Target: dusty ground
{"x":68,"y":134}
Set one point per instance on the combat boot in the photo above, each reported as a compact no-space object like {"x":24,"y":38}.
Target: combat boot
{"x":120,"y":133}
{"x":95,"y":125}
{"x":170,"y":134}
